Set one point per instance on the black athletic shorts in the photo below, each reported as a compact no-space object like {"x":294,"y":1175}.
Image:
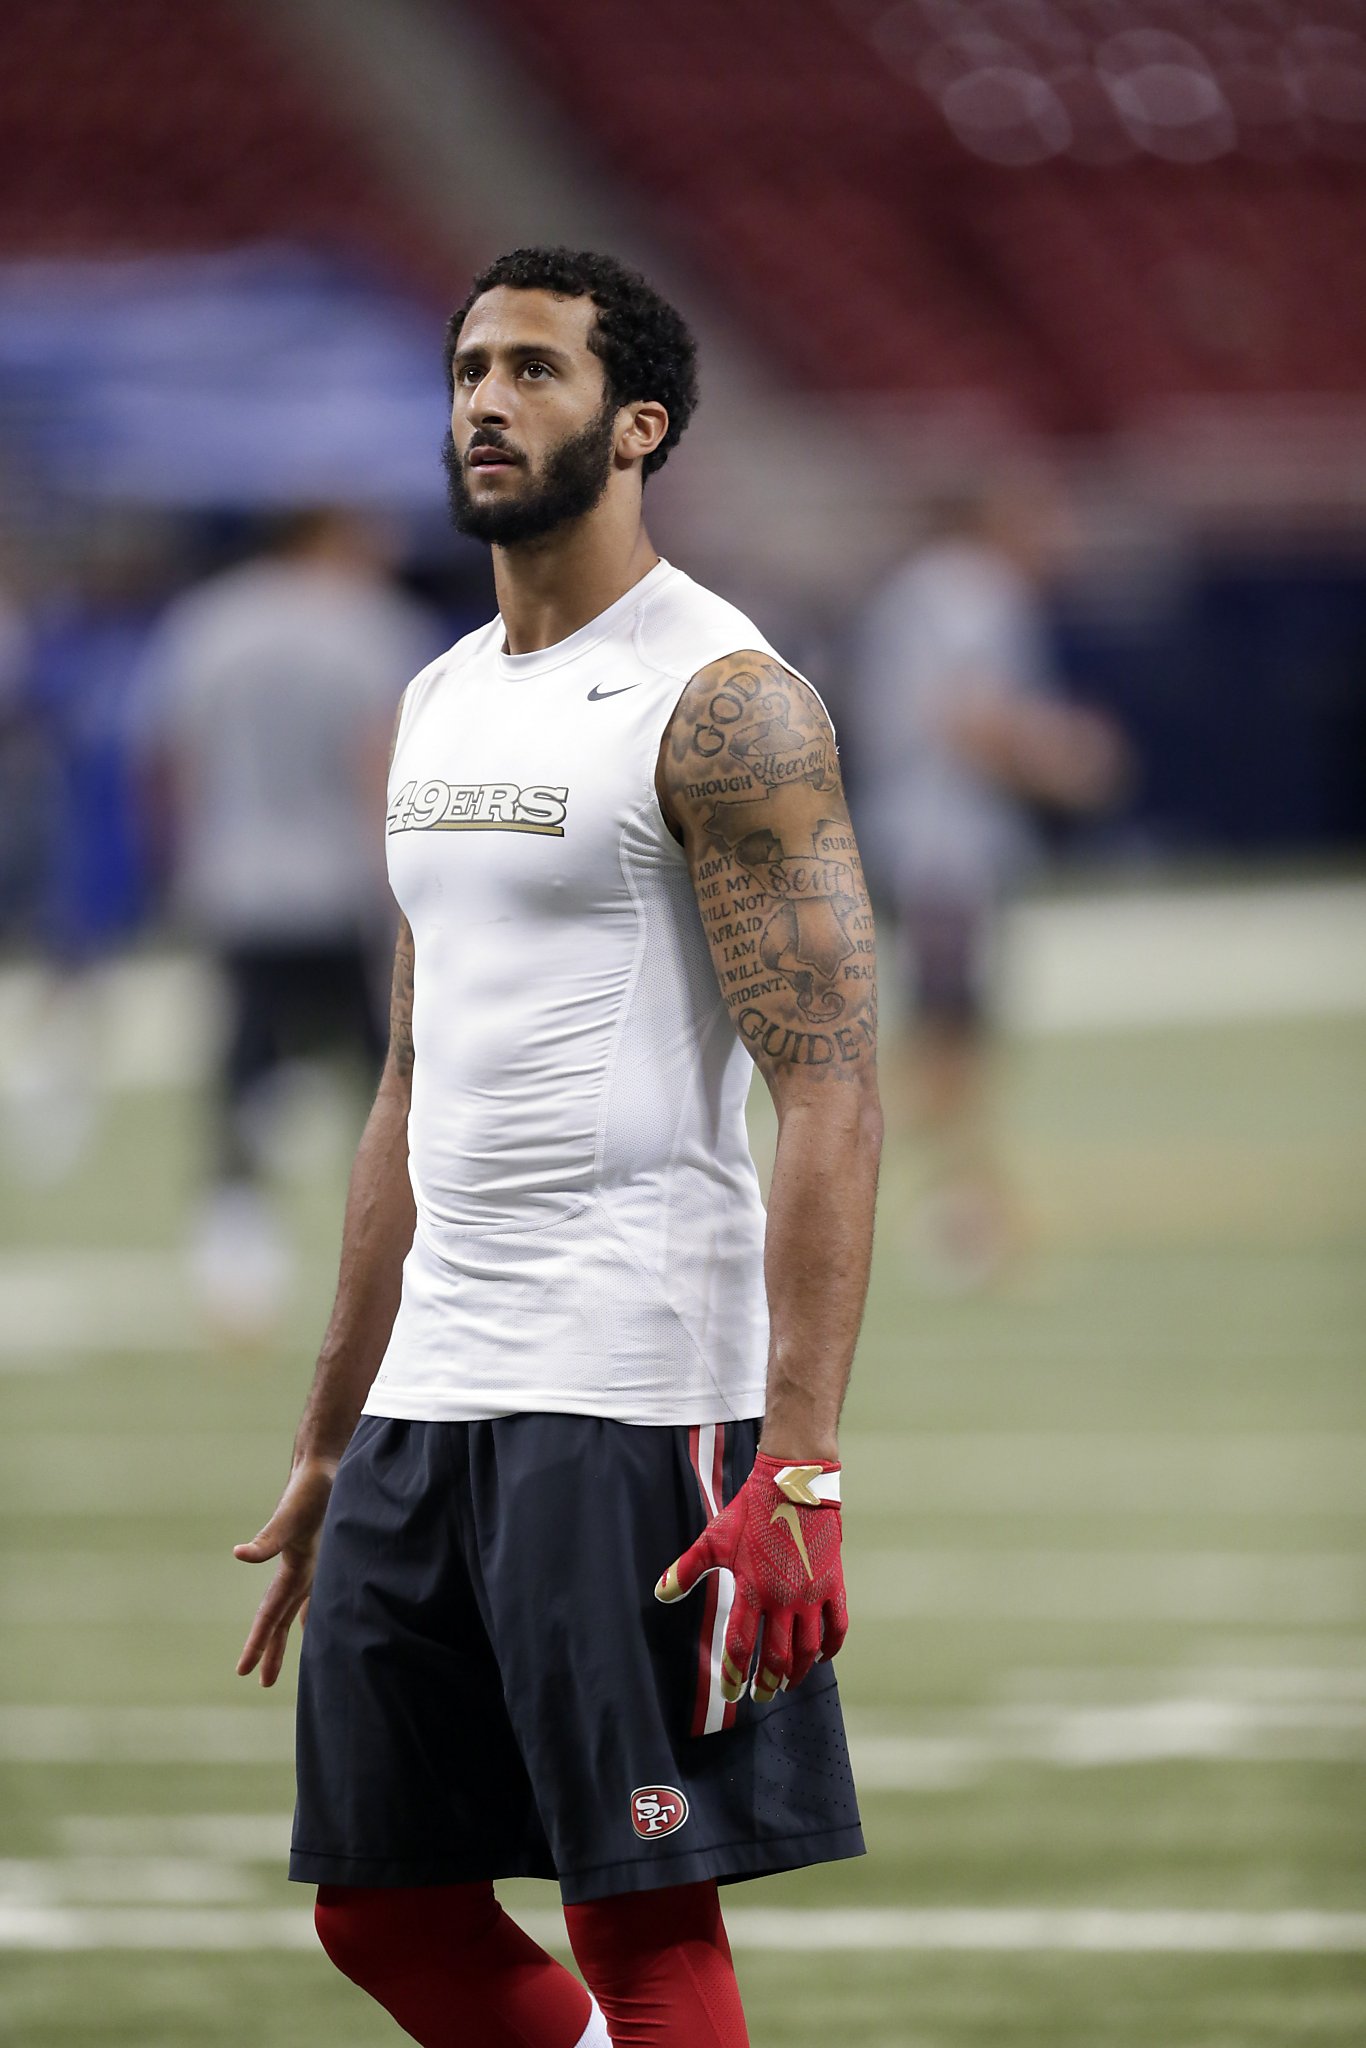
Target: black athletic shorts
{"x":290,"y":1000}
{"x":947,"y":943}
{"x":489,"y":1687}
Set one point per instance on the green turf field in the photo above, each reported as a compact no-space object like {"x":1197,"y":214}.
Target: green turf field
{"x":1107,"y":1678}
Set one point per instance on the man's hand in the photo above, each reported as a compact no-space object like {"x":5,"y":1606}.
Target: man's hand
{"x":292,"y":1535}
{"x":781,"y":1538}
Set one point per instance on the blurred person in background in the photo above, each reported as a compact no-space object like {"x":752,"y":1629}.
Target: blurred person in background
{"x":967,"y":739}
{"x":73,"y":842}
{"x":269,"y":698}
{"x":19,"y":754}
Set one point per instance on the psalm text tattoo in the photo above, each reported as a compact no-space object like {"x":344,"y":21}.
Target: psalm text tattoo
{"x":751,"y":773}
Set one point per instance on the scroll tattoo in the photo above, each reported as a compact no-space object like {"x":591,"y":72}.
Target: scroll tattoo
{"x":753,"y":773}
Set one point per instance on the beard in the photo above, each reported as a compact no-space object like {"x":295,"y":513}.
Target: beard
{"x":570,"y":482}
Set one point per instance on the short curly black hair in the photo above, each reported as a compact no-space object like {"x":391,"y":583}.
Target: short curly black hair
{"x":646,"y":347}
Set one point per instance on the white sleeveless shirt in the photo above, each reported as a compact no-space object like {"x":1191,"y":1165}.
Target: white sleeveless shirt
{"x":589,"y":1225}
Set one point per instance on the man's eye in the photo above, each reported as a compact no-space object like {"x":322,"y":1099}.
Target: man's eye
{"x":470,"y":373}
{"x":537,"y":370}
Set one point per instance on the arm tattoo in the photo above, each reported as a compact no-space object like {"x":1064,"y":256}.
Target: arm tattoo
{"x":749,"y":772}
{"x":401,"y":1003}
{"x":401,"y":987}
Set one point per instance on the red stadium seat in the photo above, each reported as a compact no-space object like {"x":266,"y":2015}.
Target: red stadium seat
{"x":151,"y":125}
{"x":809,"y":158}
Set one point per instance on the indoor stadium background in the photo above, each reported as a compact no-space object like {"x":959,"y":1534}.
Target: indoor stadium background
{"x":1107,"y":1677}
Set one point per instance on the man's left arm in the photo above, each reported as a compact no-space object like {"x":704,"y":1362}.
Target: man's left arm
{"x":749,"y":780}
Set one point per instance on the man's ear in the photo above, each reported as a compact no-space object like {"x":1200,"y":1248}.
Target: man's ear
{"x":641,"y":428}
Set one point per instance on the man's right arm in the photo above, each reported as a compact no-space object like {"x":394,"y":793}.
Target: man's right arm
{"x":376,"y":1235}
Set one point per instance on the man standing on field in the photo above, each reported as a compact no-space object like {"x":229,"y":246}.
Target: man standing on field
{"x":567,"y":1344}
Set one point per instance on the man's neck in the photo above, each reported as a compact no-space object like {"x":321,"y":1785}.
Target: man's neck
{"x":550,"y":588}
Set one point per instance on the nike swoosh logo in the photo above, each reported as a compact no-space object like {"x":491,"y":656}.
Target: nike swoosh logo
{"x":791,"y":1521}
{"x":595,"y":695}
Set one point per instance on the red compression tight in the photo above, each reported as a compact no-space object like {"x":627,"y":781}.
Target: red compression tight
{"x":454,"y":1970}
{"x":659,"y":1966}
{"x":451,"y":1967}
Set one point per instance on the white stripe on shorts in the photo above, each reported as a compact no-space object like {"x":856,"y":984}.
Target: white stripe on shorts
{"x":710,"y":1446}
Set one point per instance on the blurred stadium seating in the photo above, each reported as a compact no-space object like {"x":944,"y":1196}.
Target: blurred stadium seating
{"x":155,"y":126}
{"x":1082,"y":209}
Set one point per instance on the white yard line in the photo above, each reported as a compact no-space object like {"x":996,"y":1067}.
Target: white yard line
{"x":922,"y":1750}
{"x":1004,"y":1472}
{"x":1112,"y":960}
{"x":140,"y":1022}
{"x":1004,"y":1929}
{"x":141,"y":1477}
{"x":70,"y":1302}
{"x":1093,"y":1930}
{"x":123,"y":1880}
{"x":1178,"y":1586}
{"x":966,"y":1746}
{"x":220,"y":1837}
{"x":68,"y":1928}
{"x":64,"y":1589}
{"x":254,"y":1734}
{"x":989,"y":1473}
{"x":1200,"y":956}
{"x":1264,"y":1684}
{"x":1181,"y":1588}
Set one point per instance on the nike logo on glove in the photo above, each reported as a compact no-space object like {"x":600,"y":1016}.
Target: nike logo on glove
{"x":791,"y":1521}
{"x":595,"y":695}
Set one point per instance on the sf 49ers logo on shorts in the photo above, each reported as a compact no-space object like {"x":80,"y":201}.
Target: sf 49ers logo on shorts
{"x":657,"y":1810}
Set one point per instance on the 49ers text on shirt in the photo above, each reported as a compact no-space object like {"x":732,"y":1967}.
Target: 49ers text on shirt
{"x":437,"y":806}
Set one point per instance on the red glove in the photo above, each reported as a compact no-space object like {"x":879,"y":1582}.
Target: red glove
{"x":781,"y":1538}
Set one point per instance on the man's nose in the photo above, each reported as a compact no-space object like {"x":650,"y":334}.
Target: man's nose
{"x":487,"y":403}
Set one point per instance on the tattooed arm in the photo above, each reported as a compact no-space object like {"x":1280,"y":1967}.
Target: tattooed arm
{"x":377,"y":1231}
{"x":749,"y":782}
{"x":376,"y":1234}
